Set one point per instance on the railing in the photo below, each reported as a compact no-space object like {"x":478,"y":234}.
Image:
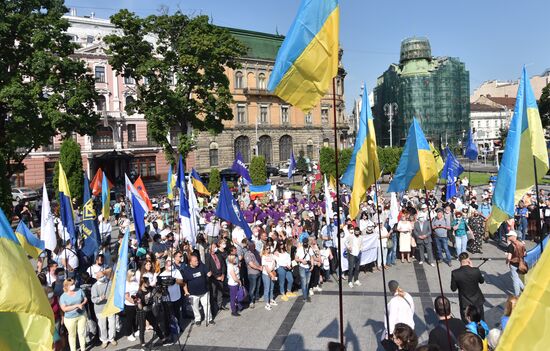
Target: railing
{"x":103,"y":145}
{"x":51,"y":147}
{"x":143,"y":143}
{"x":256,"y":91}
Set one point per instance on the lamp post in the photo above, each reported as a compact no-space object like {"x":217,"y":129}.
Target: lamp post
{"x":390,"y":110}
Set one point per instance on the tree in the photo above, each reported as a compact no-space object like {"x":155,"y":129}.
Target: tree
{"x":181,"y":80}
{"x":214,"y":181}
{"x":258,"y":172}
{"x":388,"y":157}
{"x":301,"y":163}
{"x":544,"y":106}
{"x":71,"y":159}
{"x":327,"y":161}
{"x":43,"y":91}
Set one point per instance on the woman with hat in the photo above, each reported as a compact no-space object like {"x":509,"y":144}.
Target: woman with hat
{"x":477,"y":223}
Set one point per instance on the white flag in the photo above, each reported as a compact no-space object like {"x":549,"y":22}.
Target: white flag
{"x":394,"y":211}
{"x":131,"y":190}
{"x":193,"y":212}
{"x":328,"y":202}
{"x":47,"y":228}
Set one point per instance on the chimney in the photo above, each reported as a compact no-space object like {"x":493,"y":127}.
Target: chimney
{"x":73,"y":12}
{"x":92,"y":15}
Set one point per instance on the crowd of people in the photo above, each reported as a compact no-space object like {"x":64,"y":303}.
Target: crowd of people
{"x":292,"y":254}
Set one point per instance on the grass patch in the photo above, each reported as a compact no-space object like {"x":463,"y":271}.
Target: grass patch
{"x":477,"y":178}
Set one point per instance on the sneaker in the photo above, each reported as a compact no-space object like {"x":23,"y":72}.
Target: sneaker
{"x":431,"y":264}
{"x":319,"y":289}
{"x":198,"y":323}
{"x":421,"y":262}
{"x":311,"y":293}
{"x":284,"y":297}
{"x":268,"y":307}
{"x":358,"y":283}
{"x":273,"y":303}
{"x":104,"y":345}
{"x":211,"y":323}
{"x":167,"y":341}
{"x":136,"y":334}
{"x":235,"y":314}
{"x":131,"y":338}
{"x":261,"y":299}
{"x":350,"y":284}
{"x":114,"y":342}
{"x":291,"y":294}
{"x":252,"y":305}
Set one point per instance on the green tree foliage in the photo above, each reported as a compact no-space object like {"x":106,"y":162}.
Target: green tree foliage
{"x":180,"y":79}
{"x":71,"y":159}
{"x":43,"y":91}
{"x":544,"y":106}
{"x":301,"y":164}
{"x":388,"y":157}
{"x":214,"y":182}
{"x":258,"y":172}
{"x":327,"y":161}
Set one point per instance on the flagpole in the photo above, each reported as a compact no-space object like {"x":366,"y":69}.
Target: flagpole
{"x":438,"y":271}
{"x":539,"y":232}
{"x":340,"y":296}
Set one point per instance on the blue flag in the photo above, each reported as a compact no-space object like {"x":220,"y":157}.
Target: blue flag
{"x":138,"y":212}
{"x":451,"y":170}
{"x":471,"y":148}
{"x":292,"y":165}
{"x":229,"y":210}
{"x":180,"y":182}
{"x":240,"y":168}
{"x":90,"y":232}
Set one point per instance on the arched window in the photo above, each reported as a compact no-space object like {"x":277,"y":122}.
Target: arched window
{"x":213,"y":153}
{"x":261,"y":81}
{"x":285,"y":148}
{"x":242,"y":145}
{"x":264,"y":148}
{"x":239,"y":80}
{"x":309,"y":150}
{"x":101,"y":103}
{"x":130,"y":100}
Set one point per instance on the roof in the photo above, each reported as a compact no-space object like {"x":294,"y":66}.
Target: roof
{"x":509,"y":102}
{"x":260,"y":45}
{"x":477,"y":107}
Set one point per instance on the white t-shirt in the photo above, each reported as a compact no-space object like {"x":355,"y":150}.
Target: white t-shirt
{"x":95,"y":268}
{"x":131,"y":288}
{"x":325,"y":258}
{"x":230,"y":280}
{"x":151,"y":276}
{"x":268,"y":261}
{"x":72,"y":259}
{"x":283,"y":259}
{"x":238,"y":235}
{"x":303,"y":255}
{"x":173,"y":290}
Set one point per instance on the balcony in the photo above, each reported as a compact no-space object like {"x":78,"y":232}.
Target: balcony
{"x":103,"y":145}
{"x":51,"y":147}
{"x":256,"y":91}
{"x":142,"y":143}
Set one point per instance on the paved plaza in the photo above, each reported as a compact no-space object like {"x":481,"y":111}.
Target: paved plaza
{"x":296,"y":325}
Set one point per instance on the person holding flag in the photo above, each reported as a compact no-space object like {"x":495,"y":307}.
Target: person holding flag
{"x":66,"y":207}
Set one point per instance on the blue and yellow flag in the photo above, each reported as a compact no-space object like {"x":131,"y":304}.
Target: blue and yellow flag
{"x":198,"y":184}
{"x":308,"y":59}
{"x":32,"y":245}
{"x":105,"y":197}
{"x":115,"y":301}
{"x":65,"y":205}
{"x":417,"y":168}
{"x":25,"y":313}
{"x":363,"y":169}
{"x":170,"y":183}
{"x":525,"y":147}
{"x":89,"y":229}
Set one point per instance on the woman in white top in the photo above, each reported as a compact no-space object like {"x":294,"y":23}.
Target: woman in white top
{"x":405,"y":227}
{"x":269,"y":276}
{"x":304,"y":257}
{"x":364,"y":222}
{"x":234,"y":281}
{"x":284,"y":271}
{"x":132,"y":287}
{"x":147,"y":271}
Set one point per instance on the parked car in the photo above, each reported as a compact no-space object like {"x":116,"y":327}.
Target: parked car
{"x":271,"y":171}
{"x":229,"y":175}
{"x":19,"y":194}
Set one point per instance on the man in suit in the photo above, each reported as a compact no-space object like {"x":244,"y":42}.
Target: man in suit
{"x":423,"y":235}
{"x":216,"y":264}
{"x":466,"y":280}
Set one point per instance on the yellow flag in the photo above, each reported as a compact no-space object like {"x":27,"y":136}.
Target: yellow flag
{"x":439,"y":163}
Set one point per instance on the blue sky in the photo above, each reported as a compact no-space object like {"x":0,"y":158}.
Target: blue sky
{"x":493,"y":38}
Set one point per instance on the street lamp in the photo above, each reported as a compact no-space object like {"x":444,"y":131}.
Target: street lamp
{"x":390,"y":110}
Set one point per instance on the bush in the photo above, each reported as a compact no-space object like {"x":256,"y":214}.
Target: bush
{"x":327,"y":161}
{"x":71,"y":159}
{"x":258,"y":172}
{"x":214,"y":181}
{"x":389,"y":158}
{"x":301,"y":164}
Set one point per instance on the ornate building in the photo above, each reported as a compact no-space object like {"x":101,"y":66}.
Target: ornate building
{"x":262,"y":123}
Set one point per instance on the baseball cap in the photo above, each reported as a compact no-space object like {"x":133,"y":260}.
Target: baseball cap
{"x":512,"y":233}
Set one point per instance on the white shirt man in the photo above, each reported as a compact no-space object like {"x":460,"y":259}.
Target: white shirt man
{"x":400,"y":307}
{"x":174,"y":290}
{"x":69,"y":258}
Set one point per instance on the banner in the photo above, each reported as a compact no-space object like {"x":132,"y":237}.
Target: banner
{"x":369,"y":252}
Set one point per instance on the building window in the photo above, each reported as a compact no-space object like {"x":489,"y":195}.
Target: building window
{"x":129,"y":101}
{"x":213,"y":154}
{"x":285,"y":148}
{"x":90,"y":39}
{"x":263,"y":115}
{"x":261,"y":81}
{"x":101,"y":103}
{"x":324,"y":114}
{"x":239,"y":80}
{"x":309,"y":149}
{"x":129,"y":80}
{"x":146,"y":167}
{"x":309,"y":118}
{"x":132,"y":136}
{"x":242,"y":146}
{"x":99,"y":74}
{"x":284,"y":115}
{"x":264,"y":148}
{"x":103,"y":139}
{"x":241,"y":114}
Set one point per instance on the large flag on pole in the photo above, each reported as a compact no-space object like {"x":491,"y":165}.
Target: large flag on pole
{"x":25,"y":313}
{"x":30,"y":243}
{"x":229,"y":210}
{"x":471,"y":147}
{"x":416,"y":169}
{"x":292,"y":165}
{"x":194,"y":210}
{"x":437,"y":157}
{"x":90,"y":232}
{"x":66,"y":206}
{"x":197,"y":182}
{"x":132,"y":191}
{"x":96,"y":182}
{"x":328,"y":201}
{"x":240,"y":168}
{"x":143,"y":192}
{"x":363,"y":169}
{"x":308,"y":59}
{"x":115,"y":302}
{"x":105,"y":197}
{"x":525,"y":148}
{"x":47,"y":227}
{"x":451,"y":171}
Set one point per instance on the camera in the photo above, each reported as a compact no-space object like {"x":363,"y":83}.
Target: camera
{"x":166,"y":281}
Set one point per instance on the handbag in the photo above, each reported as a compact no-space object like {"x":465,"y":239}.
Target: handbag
{"x":241,"y":294}
{"x":413,"y":242}
{"x":389,"y":243}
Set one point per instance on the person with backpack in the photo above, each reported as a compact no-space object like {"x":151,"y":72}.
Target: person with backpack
{"x":514,"y":256}
{"x":476,"y":325}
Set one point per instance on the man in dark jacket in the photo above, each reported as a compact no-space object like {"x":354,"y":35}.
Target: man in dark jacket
{"x":438,"y":335}
{"x":423,"y":236}
{"x":216,"y":264}
{"x":467,"y":279}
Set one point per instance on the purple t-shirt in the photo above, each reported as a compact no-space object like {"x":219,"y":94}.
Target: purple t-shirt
{"x":248,"y":216}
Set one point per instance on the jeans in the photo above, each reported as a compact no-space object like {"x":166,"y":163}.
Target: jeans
{"x":143,"y":316}
{"x":285,"y":277}
{"x":392,"y":253}
{"x":461,"y":243}
{"x":268,"y":288}
{"x":353,"y":267}
{"x":76,"y":326}
{"x":254,"y":287}
{"x":235,"y":305}
{"x":107,"y":327}
{"x":203,"y":300}
{"x":443,"y":244}
{"x":522,"y":228}
{"x":516,"y":281}
{"x":305,"y":275}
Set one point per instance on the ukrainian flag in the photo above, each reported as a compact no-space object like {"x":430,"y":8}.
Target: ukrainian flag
{"x":308,"y":59}
{"x":65,"y":205}
{"x":417,"y":167}
{"x":105,"y":197}
{"x":525,"y":147}
{"x":363,"y":169}
{"x":198,"y":183}
{"x":170,"y":183}
{"x":115,"y":301}
{"x":25,"y":313}
{"x":439,"y":164}
{"x":32,"y":245}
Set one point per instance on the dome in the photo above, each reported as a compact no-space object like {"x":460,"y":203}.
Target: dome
{"x":415,"y":48}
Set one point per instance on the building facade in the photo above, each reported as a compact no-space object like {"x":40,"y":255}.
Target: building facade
{"x":509,"y":89}
{"x":435,"y":90}
{"x":263,"y":124}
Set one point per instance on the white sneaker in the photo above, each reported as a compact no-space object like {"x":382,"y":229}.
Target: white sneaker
{"x":350,"y":284}
{"x":136,"y":334}
{"x":358,"y":283}
{"x":273,"y":303}
{"x":131,"y":338}
{"x":319,"y":289}
{"x":311,"y":292}
{"x":431,"y":264}
{"x":421,"y":262}
{"x":268,"y":307}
